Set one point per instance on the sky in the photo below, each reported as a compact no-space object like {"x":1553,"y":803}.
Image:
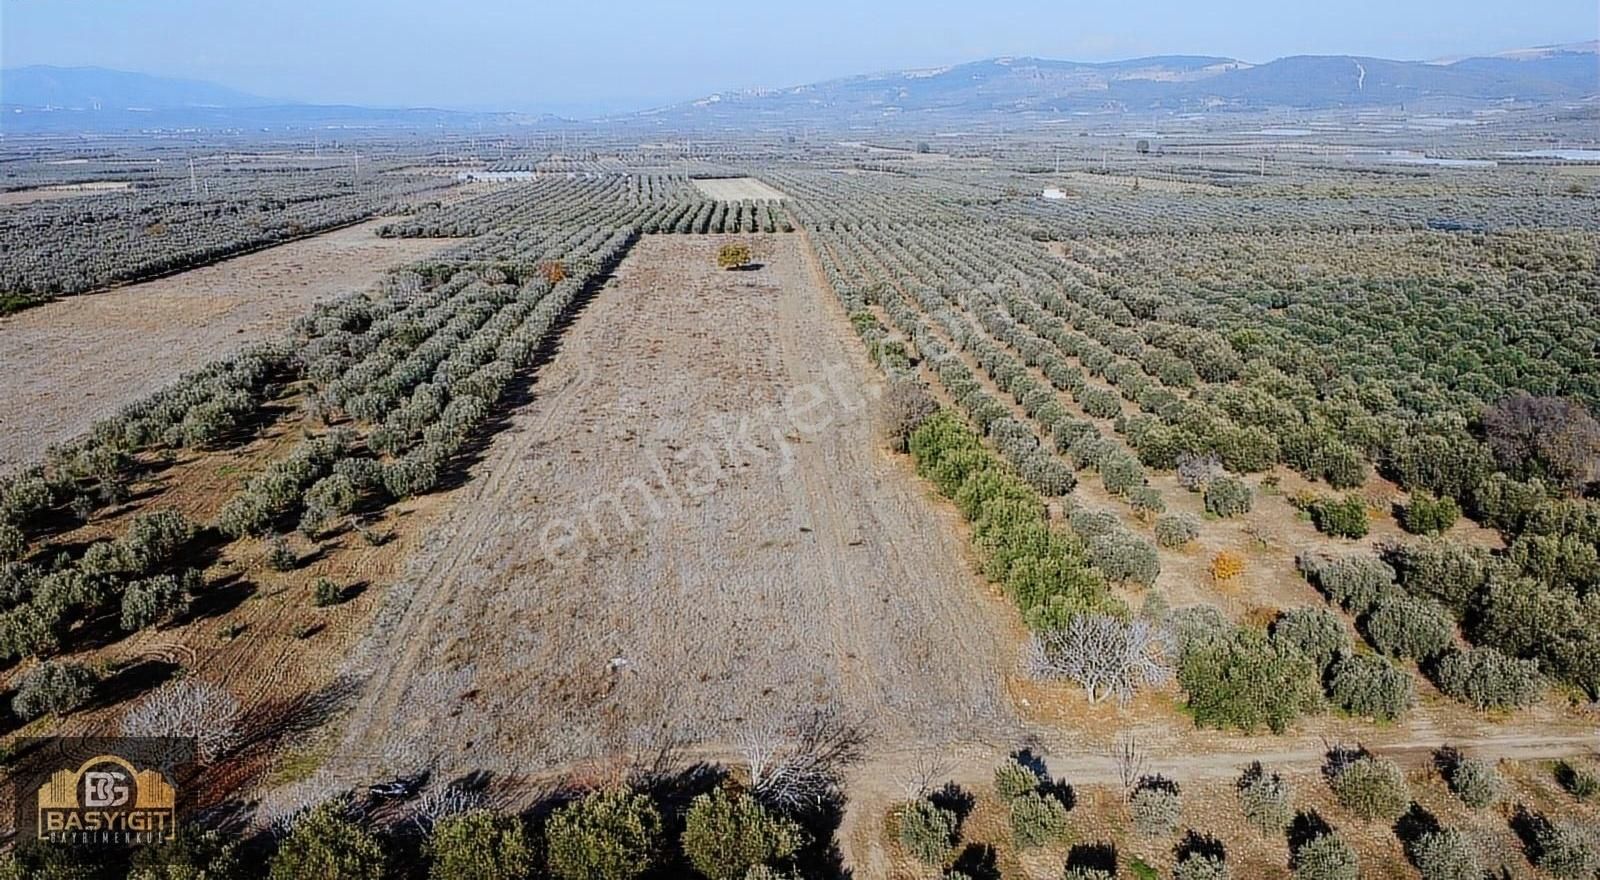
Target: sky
{"x":605,"y":55}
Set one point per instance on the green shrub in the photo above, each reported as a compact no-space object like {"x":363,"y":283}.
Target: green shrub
{"x":1446,"y":855}
{"x":1371,"y":686}
{"x":54,"y":687}
{"x":1341,"y":518}
{"x":1237,"y":677}
{"x":1012,"y":780}
{"x":1326,"y":857}
{"x":1317,"y":633}
{"x":280,"y":556}
{"x":13,"y":544}
{"x":1037,"y":819}
{"x":1409,"y":627}
{"x":324,"y":843}
{"x":325,"y":592}
{"x":1124,"y":558}
{"x":1085,"y":872}
{"x":1265,"y":798}
{"x":479,"y":845}
{"x":1564,"y":850}
{"x":1176,"y":529}
{"x":1227,"y":496}
{"x":1426,"y":514}
{"x":1446,"y":571}
{"x":927,"y":831}
{"x":609,"y":835}
{"x":1371,"y":788}
{"x":1200,"y":866}
{"x":1474,"y":780}
{"x":1155,"y":806}
{"x":1354,"y":582}
{"x":724,"y":835}
{"x":1579,"y":781}
{"x":1487,"y":679}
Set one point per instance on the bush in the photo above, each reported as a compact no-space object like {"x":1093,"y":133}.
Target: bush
{"x":1317,"y":633}
{"x":1565,"y":850}
{"x":1156,"y":806}
{"x":53,"y":687}
{"x":1342,"y":518}
{"x":1196,"y":865}
{"x":733,"y":256}
{"x":1371,"y":788}
{"x":1012,"y":780}
{"x":1353,"y":582}
{"x":280,"y":556}
{"x":1226,"y":565}
{"x":1084,"y":872}
{"x":1371,"y":686}
{"x":1579,"y":781}
{"x":1409,"y":627}
{"x":1446,"y":855}
{"x":479,"y":845}
{"x":1176,"y":529}
{"x":1326,"y":857}
{"x":927,"y":831}
{"x":1474,"y":780}
{"x":155,"y":600}
{"x":1125,"y":558}
{"x":905,"y":406}
{"x":1236,"y":677}
{"x":609,"y":835}
{"x":13,"y":544}
{"x":1487,"y":679}
{"x":1426,"y":514}
{"x":1448,"y":572}
{"x":325,"y":592}
{"x":1227,"y":496}
{"x":1551,"y":437}
{"x":1264,"y":798}
{"x":324,"y":843}
{"x":724,"y":835}
{"x":1037,"y":819}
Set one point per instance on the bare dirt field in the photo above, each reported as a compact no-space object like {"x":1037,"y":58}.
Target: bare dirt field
{"x":736,"y":189}
{"x":62,"y":191}
{"x":71,"y":362}
{"x":791,"y":566}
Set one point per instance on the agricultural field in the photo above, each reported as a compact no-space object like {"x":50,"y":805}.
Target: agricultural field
{"x":1213,"y":516}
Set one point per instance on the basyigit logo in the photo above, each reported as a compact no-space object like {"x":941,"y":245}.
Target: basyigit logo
{"x":106,"y":799}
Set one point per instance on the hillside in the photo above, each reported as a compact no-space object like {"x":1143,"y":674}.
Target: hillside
{"x":1167,"y":83}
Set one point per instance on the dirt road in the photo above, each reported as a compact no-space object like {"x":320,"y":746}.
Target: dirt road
{"x":71,"y":362}
{"x":657,"y":549}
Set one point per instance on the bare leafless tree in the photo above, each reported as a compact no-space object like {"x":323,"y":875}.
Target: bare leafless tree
{"x":190,"y":709}
{"x":797,"y":766}
{"x":926,"y":773}
{"x":1106,"y":655}
{"x":441,"y":803}
{"x":1131,"y":759}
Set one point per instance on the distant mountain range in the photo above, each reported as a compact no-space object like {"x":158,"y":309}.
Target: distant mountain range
{"x":998,"y":88}
{"x":1043,"y":87}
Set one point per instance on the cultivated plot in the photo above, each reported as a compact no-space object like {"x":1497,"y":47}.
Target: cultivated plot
{"x":736,"y":189}
{"x":72,"y":362}
{"x":657,"y":549}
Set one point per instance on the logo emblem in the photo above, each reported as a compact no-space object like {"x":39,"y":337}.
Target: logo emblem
{"x":107,"y":800}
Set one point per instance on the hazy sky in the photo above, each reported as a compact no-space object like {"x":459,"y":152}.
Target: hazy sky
{"x":627,"y":55}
